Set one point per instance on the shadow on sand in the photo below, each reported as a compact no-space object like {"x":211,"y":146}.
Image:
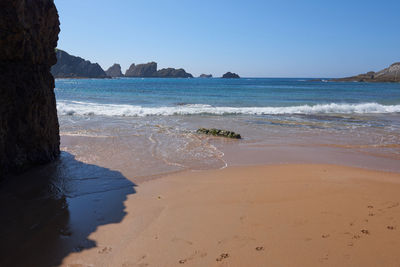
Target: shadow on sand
{"x":50,"y":212}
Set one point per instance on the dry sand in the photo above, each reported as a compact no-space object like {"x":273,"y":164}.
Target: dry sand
{"x":277,"y":215}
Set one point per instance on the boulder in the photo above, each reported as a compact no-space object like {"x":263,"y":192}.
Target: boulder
{"x":29,"y":129}
{"x":219,"y":132}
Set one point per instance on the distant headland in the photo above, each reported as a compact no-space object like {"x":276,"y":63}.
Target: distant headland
{"x":69,"y":66}
{"x":389,"y":74}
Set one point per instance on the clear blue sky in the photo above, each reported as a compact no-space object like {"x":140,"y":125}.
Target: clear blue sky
{"x":278,"y":38}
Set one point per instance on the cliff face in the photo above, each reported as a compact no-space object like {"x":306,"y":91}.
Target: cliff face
{"x":173,"y":73}
{"x":114,"y":71}
{"x":69,"y":66}
{"x":142,"y":70}
{"x":29,"y":130}
{"x":390,"y":74}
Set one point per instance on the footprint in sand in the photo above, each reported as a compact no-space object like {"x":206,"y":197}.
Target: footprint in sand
{"x":222,"y":256}
{"x":105,"y":250}
{"x":325,"y":236}
{"x":259,"y":248}
{"x":391,"y":227}
{"x":194,"y":255}
{"x":365,"y":231}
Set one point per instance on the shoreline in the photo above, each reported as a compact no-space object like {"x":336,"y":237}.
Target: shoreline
{"x":252,"y":215}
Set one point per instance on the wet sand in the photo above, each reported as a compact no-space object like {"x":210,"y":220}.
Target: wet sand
{"x":278,"y":215}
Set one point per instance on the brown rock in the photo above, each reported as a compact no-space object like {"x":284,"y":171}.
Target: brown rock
{"x":29,"y":130}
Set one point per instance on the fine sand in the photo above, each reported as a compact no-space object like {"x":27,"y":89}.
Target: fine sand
{"x":276,"y":215}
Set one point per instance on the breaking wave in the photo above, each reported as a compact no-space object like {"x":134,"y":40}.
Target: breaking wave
{"x":87,"y":108}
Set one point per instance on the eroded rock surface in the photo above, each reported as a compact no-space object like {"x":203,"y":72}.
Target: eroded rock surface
{"x":29,"y":130}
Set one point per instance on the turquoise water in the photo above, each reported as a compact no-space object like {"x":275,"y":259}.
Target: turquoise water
{"x":140,"y":97}
{"x":148,"y":126}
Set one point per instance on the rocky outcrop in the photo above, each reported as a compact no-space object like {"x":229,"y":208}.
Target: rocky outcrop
{"x":230,"y":75}
{"x":29,"y":130}
{"x":114,"y":71}
{"x":69,"y":66}
{"x":142,"y":70}
{"x":219,"y":132}
{"x":173,"y":73}
{"x":149,"y":70}
{"x":390,"y":74}
{"x":205,"y":76}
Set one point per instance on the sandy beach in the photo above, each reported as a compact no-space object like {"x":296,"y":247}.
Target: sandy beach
{"x":271,"y":215}
{"x":173,"y":133}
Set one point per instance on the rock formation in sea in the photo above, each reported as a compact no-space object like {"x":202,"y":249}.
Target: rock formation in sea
{"x":230,"y":75}
{"x":149,"y":70}
{"x":173,"y":73}
{"x":114,"y":71}
{"x":390,"y":74}
{"x":205,"y":76}
{"x":142,"y":70}
{"x":29,"y":129}
{"x":69,"y":66}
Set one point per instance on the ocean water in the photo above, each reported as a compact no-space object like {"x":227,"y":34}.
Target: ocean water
{"x":147,"y":126}
{"x":143,"y":97}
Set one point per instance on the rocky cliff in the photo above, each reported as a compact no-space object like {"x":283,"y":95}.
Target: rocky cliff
{"x":29,"y":130}
{"x":114,"y":71}
{"x":142,"y":70}
{"x":230,"y":75}
{"x":390,"y":74}
{"x":69,"y":66}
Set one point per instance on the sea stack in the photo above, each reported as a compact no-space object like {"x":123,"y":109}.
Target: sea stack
{"x":173,"y":73}
{"x":29,"y":129}
{"x":149,"y":70}
{"x":142,"y":70}
{"x":230,"y":75}
{"x":114,"y":71}
{"x":205,"y":76}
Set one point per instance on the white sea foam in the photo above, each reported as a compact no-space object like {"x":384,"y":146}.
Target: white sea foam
{"x":86,"y":108}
